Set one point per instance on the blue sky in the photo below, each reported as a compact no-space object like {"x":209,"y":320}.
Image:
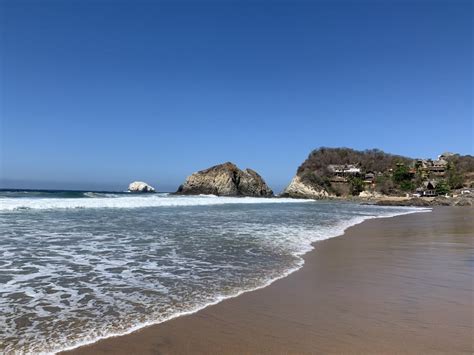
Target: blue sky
{"x":95,"y":94}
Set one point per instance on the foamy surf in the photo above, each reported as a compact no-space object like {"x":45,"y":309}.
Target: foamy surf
{"x":132,"y":201}
{"x":339,"y":231}
{"x":74,"y":277}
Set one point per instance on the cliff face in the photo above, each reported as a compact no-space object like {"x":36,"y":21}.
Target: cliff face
{"x":225,"y":180}
{"x":300,"y":189}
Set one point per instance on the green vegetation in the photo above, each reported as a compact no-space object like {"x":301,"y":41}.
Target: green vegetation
{"x":453,"y":177}
{"x":357,"y":185}
{"x":384,"y":185}
{"x":402,"y":178}
{"x":442,"y":188}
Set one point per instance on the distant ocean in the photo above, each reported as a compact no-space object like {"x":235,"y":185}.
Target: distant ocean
{"x":78,"y":266}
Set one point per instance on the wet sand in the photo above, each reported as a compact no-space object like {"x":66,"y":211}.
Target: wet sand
{"x":396,"y":285}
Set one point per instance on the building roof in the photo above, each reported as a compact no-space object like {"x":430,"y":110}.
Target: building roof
{"x":423,"y":162}
{"x":347,"y":168}
{"x":427,"y":184}
{"x":440,"y":162}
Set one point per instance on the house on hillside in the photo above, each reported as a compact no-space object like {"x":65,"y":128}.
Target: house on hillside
{"x":422,"y":166}
{"x":338,"y":179}
{"x":422,"y":163}
{"x":344,"y":170}
{"x":369,"y":177}
{"x":439,"y":167}
{"x":434,"y":167}
{"x":428,"y":189}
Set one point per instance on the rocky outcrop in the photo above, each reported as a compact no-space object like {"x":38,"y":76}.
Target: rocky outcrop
{"x":225,"y":180}
{"x":300,"y":189}
{"x":140,"y":186}
{"x":428,"y":202}
{"x":467,"y":202}
{"x":412,"y":202}
{"x":370,"y":195}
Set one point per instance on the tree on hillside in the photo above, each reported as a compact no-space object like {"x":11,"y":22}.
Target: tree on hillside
{"x":442,"y":187}
{"x":453,"y":176}
{"x":402,"y":178}
{"x":384,"y":185}
{"x":357,"y":185}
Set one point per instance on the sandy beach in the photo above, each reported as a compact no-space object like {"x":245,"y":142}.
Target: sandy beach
{"x":394,"y":285}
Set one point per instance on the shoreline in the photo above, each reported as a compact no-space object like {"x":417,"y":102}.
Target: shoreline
{"x":87,"y":347}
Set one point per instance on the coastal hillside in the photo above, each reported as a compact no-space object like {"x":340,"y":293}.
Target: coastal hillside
{"x":343,"y":172}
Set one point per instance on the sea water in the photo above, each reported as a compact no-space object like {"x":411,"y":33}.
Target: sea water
{"x":76,"y":267}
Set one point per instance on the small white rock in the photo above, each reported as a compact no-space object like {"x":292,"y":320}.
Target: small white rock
{"x":140,"y":186}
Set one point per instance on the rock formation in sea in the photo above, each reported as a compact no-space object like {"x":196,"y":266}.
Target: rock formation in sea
{"x":140,"y":186}
{"x":225,"y":180}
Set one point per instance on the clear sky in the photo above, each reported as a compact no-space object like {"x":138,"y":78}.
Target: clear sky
{"x":95,"y":94}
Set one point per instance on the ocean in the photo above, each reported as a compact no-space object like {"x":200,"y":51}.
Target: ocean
{"x":79,"y":266}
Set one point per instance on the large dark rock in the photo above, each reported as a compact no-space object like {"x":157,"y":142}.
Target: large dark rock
{"x":225,"y":180}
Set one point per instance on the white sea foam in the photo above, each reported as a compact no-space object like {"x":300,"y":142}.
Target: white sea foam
{"x":149,"y":270}
{"x":307,"y":240}
{"x":132,"y":201}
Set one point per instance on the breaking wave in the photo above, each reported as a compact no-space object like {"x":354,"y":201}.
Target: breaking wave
{"x":100,"y":200}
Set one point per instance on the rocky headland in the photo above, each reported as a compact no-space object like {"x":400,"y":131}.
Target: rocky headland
{"x":225,"y":180}
{"x":375,"y":177}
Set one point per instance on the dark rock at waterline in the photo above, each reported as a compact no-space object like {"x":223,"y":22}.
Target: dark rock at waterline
{"x":415,"y":202}
{"x":425,"y":202}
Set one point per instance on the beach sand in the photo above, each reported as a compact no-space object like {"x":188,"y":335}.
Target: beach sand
{"x":395,"y":285}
